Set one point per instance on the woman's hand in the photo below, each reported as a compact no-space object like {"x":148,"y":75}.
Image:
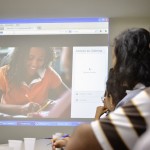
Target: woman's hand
{"x":30,"y":107}
{"x":56,"y":143}
{"x":100,"y":110}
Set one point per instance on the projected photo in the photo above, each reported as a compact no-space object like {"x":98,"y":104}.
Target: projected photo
{"x":35,"y":81}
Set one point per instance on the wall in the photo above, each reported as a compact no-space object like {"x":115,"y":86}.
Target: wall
{"x":117,"y":25}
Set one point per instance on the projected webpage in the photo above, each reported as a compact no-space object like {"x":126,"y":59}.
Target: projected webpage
{"x":88,"y":82}
{"x":79,"y":49}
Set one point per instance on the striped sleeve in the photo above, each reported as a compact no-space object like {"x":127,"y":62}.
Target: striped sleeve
{"x":122,"y":128}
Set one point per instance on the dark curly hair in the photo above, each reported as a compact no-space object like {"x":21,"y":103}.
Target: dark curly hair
{"x":132,"y":52}
{"x":17,"y":71}
{"x":113,"y":88}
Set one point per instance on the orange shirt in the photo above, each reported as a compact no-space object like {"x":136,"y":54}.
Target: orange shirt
{"x":37,"y":91}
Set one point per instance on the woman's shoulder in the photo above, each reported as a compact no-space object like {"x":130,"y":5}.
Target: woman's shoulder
{"x":3,"y":73}
{"x":52,"y":77}
{"x":4,"y":69}
{"x":51,"y":71}
{"x":131,"y":93}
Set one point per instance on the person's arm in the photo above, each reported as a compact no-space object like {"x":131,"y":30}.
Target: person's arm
{"x":19,"y":109}
{"x":62,"y":89}
{"x":100,"y":110}
{"x":57,"y":92}
{"x":57,"y":86}
{"x":63,"y":104}
{"x":60,"y":143}
{"x":83,"y":138}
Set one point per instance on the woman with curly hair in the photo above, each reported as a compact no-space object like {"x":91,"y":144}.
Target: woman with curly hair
{"x":28,"y":81}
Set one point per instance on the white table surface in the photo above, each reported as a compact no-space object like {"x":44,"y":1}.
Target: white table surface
{"x":39,"y":145}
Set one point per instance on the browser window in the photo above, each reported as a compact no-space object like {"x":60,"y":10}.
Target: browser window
{"x":88,"y":41}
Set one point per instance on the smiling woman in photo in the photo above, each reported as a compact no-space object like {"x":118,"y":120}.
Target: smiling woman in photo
{"x":29,"y":79}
